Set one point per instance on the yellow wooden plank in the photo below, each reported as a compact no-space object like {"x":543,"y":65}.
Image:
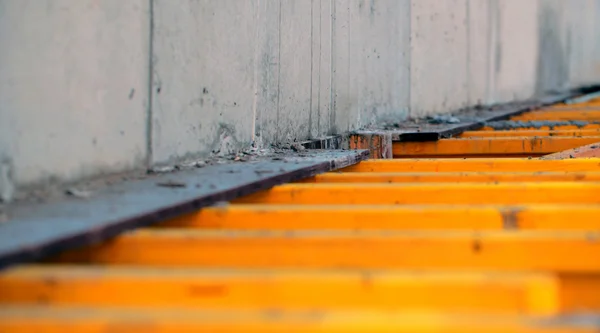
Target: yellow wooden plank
{"x":476,"y":165}
{"x":451,"y":177}
{"x":429,"y":193}
{"x":60,"y":320}
{"x":530,"y":133}
{"x":519,"y":293}
{"x":560,"y":115}
{"x":497,"y":146}
{"x":564,"y":251}
{"x":579,"y":292}
{"x":590,"y":126}
{"x":395,"y":217}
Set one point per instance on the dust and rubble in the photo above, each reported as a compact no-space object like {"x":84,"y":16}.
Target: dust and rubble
{"x":85,"y":189}
{"x":475,"y":114}
{"x":280,"y":152}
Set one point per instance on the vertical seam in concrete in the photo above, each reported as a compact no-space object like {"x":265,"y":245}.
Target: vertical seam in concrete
{"x":349,"y":85}
{"x":278,"y":75}
{"x":150,"y":109}
{"x":491,"y":42}
{"x":320,"y":62}
{"x":332,"y":68}
{"x":256,"y":71}
{"x":312,"y":61}
{"x":410,"y":56}
{"x":469,"y":43}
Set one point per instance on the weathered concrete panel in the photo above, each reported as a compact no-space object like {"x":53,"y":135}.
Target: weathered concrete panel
{"x":381,"y":46}
{"x":592,"y":37}
{"x":439,"y":73}
{"x":203,"y":77}
{"x":344,"y":112}
{"x":479,"y":56}
{"x":554,"y":45}
{"x":348,"y":68}
{"x":266,"y":106}
{"x":295,"y":100}
{"x":295,"y":71}
{"x":320,"y":119}
{"x":583,"y":17}
{"x":515,"y":49}
{"x":73,"y":87}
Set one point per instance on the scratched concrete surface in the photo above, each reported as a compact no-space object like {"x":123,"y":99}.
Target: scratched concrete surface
{"x":93,"y":87}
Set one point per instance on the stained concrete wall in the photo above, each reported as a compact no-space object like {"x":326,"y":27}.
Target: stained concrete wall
{"x":439,"y":53}
{"x":90,"y":87}
{"x":204,"y":64}
{"x":73,"y":88}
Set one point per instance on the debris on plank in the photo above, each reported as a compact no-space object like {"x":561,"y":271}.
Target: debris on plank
{"x":77,"y":193}
{"x":172,"y":184}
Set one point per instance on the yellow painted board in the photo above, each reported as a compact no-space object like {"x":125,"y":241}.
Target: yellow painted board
{"x":451,"y":177}
{"x":584,"y":126}
{"x":579,"y":292}
{"x":429,"y":193}
{"x":531,"y":133}
{"x":476,"y":165}
{"x":563,"y":251}
{"x":477,"y":292}
{"x":394,"y":217}
{"x":491,"y":146}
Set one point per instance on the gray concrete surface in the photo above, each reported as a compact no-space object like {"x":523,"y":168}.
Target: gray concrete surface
{"x":583,"y":44}
{"x":514,"y":30}
{"x":437,"y":64}
{"x":479,"y":56}
{"x":203,"y":77}
{"x":554,"y":45}
{"x":73,"y":88}
{"x":379,"y":56}
{"x":79,"y":96}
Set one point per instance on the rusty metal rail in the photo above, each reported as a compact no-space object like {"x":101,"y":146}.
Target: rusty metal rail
{"x":492,"y":237}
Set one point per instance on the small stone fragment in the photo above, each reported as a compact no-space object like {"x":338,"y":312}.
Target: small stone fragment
{"x":165,"y":169}
{"x":78,"y":193}
{"x":298,"y":147}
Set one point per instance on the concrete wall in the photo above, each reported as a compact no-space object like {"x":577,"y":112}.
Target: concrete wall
{"x":73,"y":88}
{"x":439,"y":53}
{"x":90,"y":87}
